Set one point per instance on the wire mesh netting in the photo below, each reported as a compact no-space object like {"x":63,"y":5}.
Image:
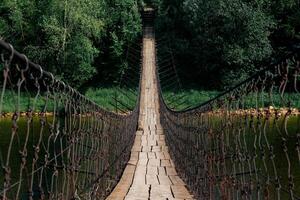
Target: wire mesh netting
{"x":55,"y":143}
{"x":245,"y":143}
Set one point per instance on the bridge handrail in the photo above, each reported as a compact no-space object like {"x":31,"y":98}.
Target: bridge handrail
{"x":243,"y":143}
{"x":291,"y":55}
{"x":23,"y":58}
{"x":78,"y":141}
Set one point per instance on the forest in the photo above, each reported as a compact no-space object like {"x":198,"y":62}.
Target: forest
{"x":215,"y":43}
{"x":149,"y":99}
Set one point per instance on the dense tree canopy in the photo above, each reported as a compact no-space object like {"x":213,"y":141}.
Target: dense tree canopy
{"x":223,"y":41}
{"x":220,"y":41}
{"x":76,"y":39}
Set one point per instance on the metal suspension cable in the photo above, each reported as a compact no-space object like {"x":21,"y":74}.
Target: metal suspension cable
{"x":127,"y":80}
{"x":55,"y":142}
{"x":245,"y":142}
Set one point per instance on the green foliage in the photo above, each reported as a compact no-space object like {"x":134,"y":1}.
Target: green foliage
{"x":81,"y":53}
{"x":188,"y":98}
{"x":27,"y":100}
{"x":215,"y":39}
{"x":123,"y":25}
{"x":75,"y":39}
{"x":102,"y":96}
{"x":192,"y":98}
{"x":216,"y":43}
{"x":105,"y":97}
{"x":287,"y":15}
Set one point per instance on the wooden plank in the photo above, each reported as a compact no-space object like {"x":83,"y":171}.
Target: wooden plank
{"x":146,"y":149}
{"x":162,"y":171}
{"x":152,"y":180}
{"x":151,"y":155}
{"x":160,"y":155}
{"x":139,"y":180}
{"x":152,"y":170}
{"x":150,"y":173}
{"x":164,"y":180}
{"x":143,"y":155}
{"x":171,"y":171}
{"x":156,"y":148}
{"x":154,"y":162}
{"x":176,"y":180}
{"x":140,"y":170}
{"x":136,"y":149}
{"x":167,"y":155}
{"x":161,"y":192}
{"x":138,"y":192}
{"x":180,"y":192}
{"x":165,"y":163}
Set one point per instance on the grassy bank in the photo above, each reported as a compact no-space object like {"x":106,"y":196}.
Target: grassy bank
{"x":105,"y":97}
{"x":192,"y":98}
{"x":126,"y":99}
{"x":189,"y":98}
{"x":11,"y":102}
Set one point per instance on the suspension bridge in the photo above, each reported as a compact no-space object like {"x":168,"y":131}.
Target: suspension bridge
{"x":242,"y":144}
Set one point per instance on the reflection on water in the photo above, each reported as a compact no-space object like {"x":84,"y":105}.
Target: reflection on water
{"x":261,"y":140}
{"x":79,"y":151}
{"x":44,"y":152}
{"x":263,"y":152}
{"x":28,"y":145}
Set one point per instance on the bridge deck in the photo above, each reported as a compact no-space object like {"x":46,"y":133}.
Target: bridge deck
{"x":150,"y":173}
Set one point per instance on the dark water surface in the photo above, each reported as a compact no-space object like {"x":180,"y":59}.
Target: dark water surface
{"x":273,"y":151}
{"x":28,"y":136}
{"x":256,"y":143}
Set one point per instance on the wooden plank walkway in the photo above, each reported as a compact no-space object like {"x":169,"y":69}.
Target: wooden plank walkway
{"x":150,"y":172}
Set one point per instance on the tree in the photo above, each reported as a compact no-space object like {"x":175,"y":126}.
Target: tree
{"x":71,"y":31}
{"x":287,"y":32}
{"x":218,"y":40}
{"x":75,"y":39}
{"x":123,"y":26}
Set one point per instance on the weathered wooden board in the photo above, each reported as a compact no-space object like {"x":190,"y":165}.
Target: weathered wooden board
{"x":150,"y":173}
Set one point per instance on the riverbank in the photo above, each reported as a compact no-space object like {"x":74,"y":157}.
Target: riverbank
{"x":191,"y":98}
{"x":24,"y":114}
{"x":104,"y":97}
{"x":127,"y":98}
{"x":271,"y":111}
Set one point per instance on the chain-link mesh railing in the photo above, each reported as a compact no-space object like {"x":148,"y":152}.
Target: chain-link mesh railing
{"x":54,"y":142}
{"x":245,"y":143}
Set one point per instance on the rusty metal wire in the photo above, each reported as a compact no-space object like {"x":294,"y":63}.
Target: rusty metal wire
{"x":245,"y":143}
{"x":168,"y":74}
{"x":61,"y":145}
{"x":127,"y":90}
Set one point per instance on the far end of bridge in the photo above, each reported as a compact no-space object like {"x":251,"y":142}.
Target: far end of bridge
{"x":150,"y":172}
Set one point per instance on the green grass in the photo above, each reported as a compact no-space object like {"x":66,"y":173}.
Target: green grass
{"x":192,"y":98}
{"x":105,"y":97}
{"x":187,"y":98}
{"x":11,"y":102}
{"x":179,"y":100}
